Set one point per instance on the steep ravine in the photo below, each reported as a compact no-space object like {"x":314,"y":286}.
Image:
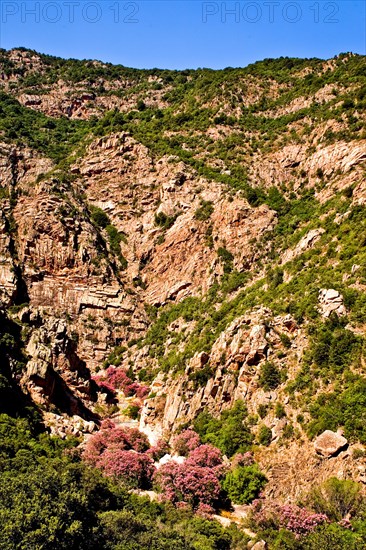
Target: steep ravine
{"x":126,"y":254}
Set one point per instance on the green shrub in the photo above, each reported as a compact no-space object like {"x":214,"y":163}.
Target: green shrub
{"x":203,"y":213}
{"x":227,"y":258}
{"x":244,"y":483}
{"x":201,"y":377}
{"x":132,"y":411}
{"x":264,"y":436}
{"x":230,"y":433}
{"x":280,"y":410}
{"x":285,"y":340}
{"x":225,"y":254}
{"x":337,"y":498}
{"x":334,"y":348}
{"x":331,"y":537}
{"x":99,"y":217}
{"x":165,"y":221}
{"x":269,"y":376}
{"x":115,"y":239}
{"x":346,"y":408}
{"x":262,"y":410}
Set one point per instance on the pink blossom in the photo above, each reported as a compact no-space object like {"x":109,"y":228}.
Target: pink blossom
{"x":205,"y":455}
{"x":103,"y":384}
{"x":299,"y":521}
{"x":120,"y":452}
{"x":116,"y":379}
{"x":186,"y":442}
{"x":135,"y":469}
{"x":189,"y":483}
{"x":110,"y":436}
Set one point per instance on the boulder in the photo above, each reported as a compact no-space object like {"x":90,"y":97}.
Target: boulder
{"x":330,"y":443}
{"x":330,"y":301}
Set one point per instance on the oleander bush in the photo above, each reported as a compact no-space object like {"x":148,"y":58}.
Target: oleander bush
{"x":191,"y":484}
{"x":120,"y":453}
{"x":185,"y":442}
{"x":116,"y":378}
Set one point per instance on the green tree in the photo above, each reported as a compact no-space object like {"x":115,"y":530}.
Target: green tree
{"x":244,"y":483}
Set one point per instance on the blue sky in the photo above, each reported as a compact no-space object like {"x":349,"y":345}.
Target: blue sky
{"x":180,"y":34}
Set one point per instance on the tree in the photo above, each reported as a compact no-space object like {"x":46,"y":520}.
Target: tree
{"x":244,"y":483}
{"x":264,"y":435}
{"x":269,"y":376}
{"x":229,"y":433}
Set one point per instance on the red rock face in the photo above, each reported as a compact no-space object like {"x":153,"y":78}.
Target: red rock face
{"x":341,"y":165}
{"x":120,"y":176}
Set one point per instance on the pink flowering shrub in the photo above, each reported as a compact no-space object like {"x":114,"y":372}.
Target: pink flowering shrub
{"x":242,"y":459}
{"x":206,"y":456}
{"x":103,"y":384}
{"x":120,"y":452}
{"x":185,"y":442}
{"x":188,"y":483}
{"x":165,"y":481}
{"x":159,"y":450}
{"x":116,"y":379}
{"x":108,"y":436}
{"x":135,"y":469}
{"x":138,"y":441}
{"x":196,"y":482}
{"x":299,"y":521}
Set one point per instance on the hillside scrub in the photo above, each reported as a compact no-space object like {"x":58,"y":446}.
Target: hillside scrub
{"x":262,"y":138}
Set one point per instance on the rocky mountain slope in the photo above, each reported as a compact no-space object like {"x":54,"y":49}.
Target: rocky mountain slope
{"x":205,"y":231}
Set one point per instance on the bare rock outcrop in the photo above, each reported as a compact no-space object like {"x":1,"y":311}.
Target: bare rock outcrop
{"x":232,"y":370}
{"x":293,"y":468}
{"x":331,"y":301}
{"x":54,"y":373}
{"x":341,"y":163}
{"x":306,"y":243}
{"x":63,"y":425}
{"x":175,"y":261}
{"x":260,"y":545}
